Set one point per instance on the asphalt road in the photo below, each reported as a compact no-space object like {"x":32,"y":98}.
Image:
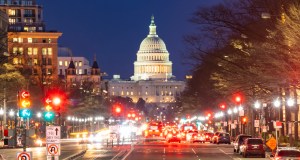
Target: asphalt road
{"x":184,"y":151}
{"x":68,"y":148}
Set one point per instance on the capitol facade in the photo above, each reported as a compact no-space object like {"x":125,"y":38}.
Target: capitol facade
{"x":152,"y":80}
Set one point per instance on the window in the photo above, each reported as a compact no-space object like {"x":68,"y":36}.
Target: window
{"x":60,"y":63}
{"x":29,"y":40}
{"x":49,"y":71}
{"x":49,"y":40}
{"x":44,"y":61}
{"x":49,"y":61}
{"x":11,"y":12}
{"x":80,"y":63}
{"x":35,"y":71}
{"x":12,"y":20}
{"x":17,"y":61}
{"x":35,"y":61}
{"x":49,"y":51}
{"x":44,"y":41}
{"x":20,"y":40}
{"x":15,"y":50}
{"x":15,"y":39}
{"x":76,"y":64}
{"x":85,"y":71}
{"x":35,"y":51}
{"x":44,"y":51}
{"x":29,"y":51}
{"x":60,"y":71}
{"x":80,"y":71}
{"x":35,"y":40}
{"x":66,"y":63}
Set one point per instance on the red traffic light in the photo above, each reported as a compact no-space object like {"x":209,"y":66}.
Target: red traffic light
{"x":56,"y":101}
{"x":25,"y":94}
{"x":223,"y":106}
{"x":118,"y":110}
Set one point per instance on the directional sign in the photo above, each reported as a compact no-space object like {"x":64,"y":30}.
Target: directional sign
{"x":271,"y":143}
{"x":24,"y":156}
{"x":53,"y":134}
{"x":48,"y":100}
{"x":53,"y":149}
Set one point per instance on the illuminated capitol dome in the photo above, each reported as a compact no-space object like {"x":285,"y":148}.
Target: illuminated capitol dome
{"x":152,"y":58}
{"x":152,"y":80}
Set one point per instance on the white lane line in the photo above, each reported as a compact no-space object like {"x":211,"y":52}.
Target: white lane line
{"x":226,"y":153}
{"x":117,"y":155}
{"x":194,"y":151}
{"x":128,"y":153}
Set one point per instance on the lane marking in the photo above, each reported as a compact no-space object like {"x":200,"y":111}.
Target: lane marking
{"x":117,"y":155}
{"x":194,"y":151}
{"x":226,"y":153}
{"x":128,"y":153}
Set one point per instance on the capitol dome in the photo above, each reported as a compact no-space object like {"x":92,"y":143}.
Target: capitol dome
{"x":153,"y":44}
{"x":152,"y":58}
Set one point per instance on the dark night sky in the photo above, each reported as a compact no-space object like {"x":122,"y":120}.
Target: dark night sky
{"x":114,"y":29}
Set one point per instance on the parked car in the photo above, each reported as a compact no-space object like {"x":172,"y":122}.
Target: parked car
{"x":286,"y":153}
{"x":208,"y":136}
{"x":223,"y":138}
{"x":239,"y":141}
{"x":253,"y":146}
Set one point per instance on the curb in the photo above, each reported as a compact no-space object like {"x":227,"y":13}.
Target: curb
{"x":75,"y":156}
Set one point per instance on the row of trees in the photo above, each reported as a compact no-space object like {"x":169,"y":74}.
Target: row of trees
{"x":246,"y":52}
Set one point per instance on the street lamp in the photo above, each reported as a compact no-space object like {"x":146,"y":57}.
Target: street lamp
{"x":11,"y":113}
{"x":257,"y":105}
{"x":276,"y":103}
{"x":39,"y":114}
{"x":290,"y":102}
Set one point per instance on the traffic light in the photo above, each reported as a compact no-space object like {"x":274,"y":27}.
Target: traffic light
{"x":48,"y":116}
{"x":24,"y":99}
{"x":244,"y":120}
{"x":25,"y":113}
{"x":118,"y":109}
{"x":24,"y":103}
{"x":222,"y":106}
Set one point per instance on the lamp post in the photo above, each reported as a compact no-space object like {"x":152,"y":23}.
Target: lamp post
{"x":1,"y":114}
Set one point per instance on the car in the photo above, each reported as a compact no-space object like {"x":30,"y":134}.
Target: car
{"x":189,"y":134}
{"x":239,"y":141}
{"x":174,"y":136}
{"x":223,"y":138}
{"x":215,"y":137}
{"x":197,"y":137}
{"x":286,"y":153}
{"x":208,"y":136}
{"x":253,"y":146}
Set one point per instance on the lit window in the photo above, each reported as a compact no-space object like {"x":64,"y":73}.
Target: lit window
{"x":20,"y":40}
{"x":17,"y":61}
{"x":12,"y":20}
{"x":80,"y":71}
{"x":26,"y":29}
{"x":15,"y":50}
{"x":29,"y":51}
{"x":146,"y":93}
{"x":49,"y":40}
{"x":44,"y":51}
{"x":11,"y":12}
{"x":127,"y":93}
{"x":131,"y":93}
{"x":15,"y":39}
{"x":66,"y":63}
{"x":113,"y":93}
{"x":80,"y":63}
{"x":122,"y":93}
{"x":35,"y":51}
{"x":76,"y":64}
{"x":29,"y":40}
{"x":60,"y":63}
{"x":35,"y":61}
{"x":49,"y":51}
{"x":21,"y":50}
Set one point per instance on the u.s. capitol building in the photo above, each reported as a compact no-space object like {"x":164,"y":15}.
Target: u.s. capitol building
{"x":152,"y":80}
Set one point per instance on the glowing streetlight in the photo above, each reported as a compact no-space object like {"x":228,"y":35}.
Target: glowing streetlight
{"x":11,"y":113}
{"x":39,"y":114}
{"x":276,"y":103}
{"x":256,"y":105}
{"x":290,"y":102}
{"x":1,"y":111}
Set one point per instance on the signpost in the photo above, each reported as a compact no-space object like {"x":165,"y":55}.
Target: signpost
{"x":24,"y":156}
{"x":53,"y":142}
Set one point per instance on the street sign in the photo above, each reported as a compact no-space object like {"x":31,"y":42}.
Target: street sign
{"x":53,"y":134}
{"x":277,"y":124}
{"x":24,"y":156}
{"x":271,"y":143}
{"x":256,"y":123}
{"x":53,"y":149}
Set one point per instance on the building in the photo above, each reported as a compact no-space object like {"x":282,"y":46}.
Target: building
{"x":76,"y":72}
{"x":31,"y":47}
{"x":152,"y":80}
{"x":3,"y":32}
